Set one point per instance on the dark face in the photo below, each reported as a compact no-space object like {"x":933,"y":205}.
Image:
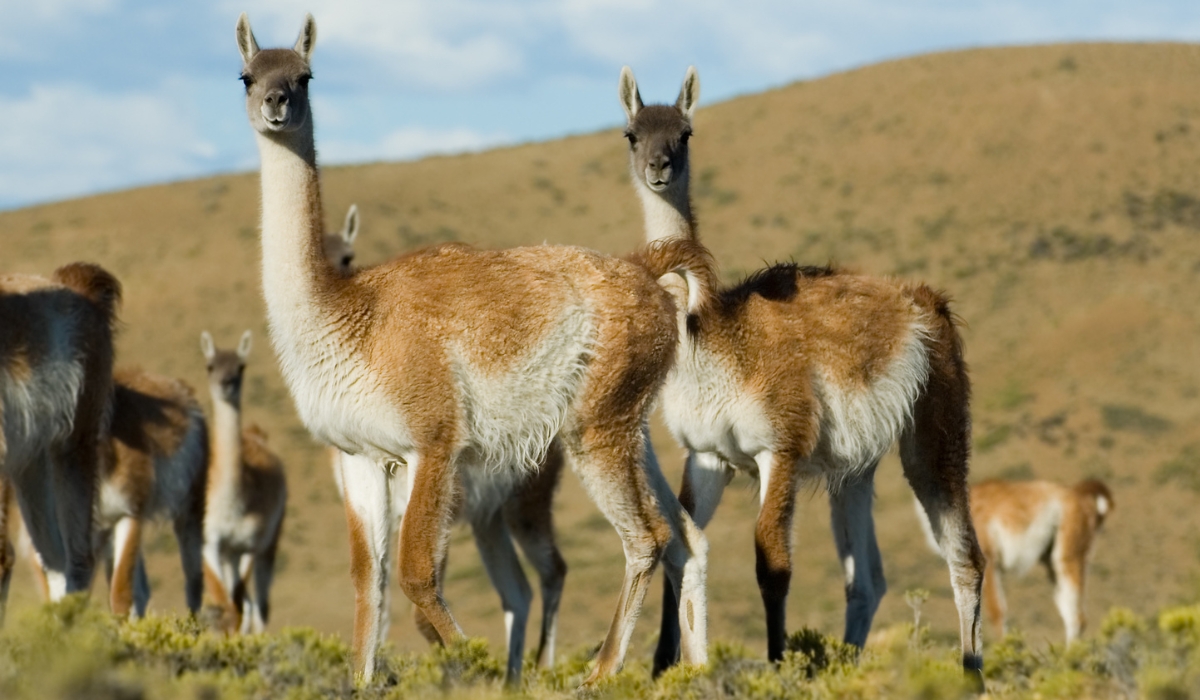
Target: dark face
{"x":276,"y":90}
{"x":658,"y":146}
{"x":225,"y":372}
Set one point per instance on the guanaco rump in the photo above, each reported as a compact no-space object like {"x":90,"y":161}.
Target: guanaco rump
{"x":804,"y":372}
{"x":1022,"y":523}
{"x":245,"y":499}
{"x":56,"y":355}
{"x":451,"y":360}
{"x":496,"y":516}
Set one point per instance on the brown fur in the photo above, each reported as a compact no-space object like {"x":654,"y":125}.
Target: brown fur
{"x":62,"y":468}
{"x":1013,"y":507}
{"x":408,"y":322}
{"x":786,"y":336}
{"x":246,"y":493}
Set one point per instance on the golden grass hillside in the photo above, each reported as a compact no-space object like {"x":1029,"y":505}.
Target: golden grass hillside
{"x":1053,"y":191}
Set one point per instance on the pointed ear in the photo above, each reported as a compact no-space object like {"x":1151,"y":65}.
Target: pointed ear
{"x":308,"y":39}
{"x":350,"y":228}
{"x":244,"y":346}
{"x":689,"y":94}
{"x":247,"y":46}
{"x":206,"y":346}
{"x":627,"y":90}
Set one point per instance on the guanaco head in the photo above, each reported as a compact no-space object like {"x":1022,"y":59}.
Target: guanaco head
{"x":276,"y":79}
{"x":339,"y":247}
{"x":658,"y":134}
{"x":225,"y":368}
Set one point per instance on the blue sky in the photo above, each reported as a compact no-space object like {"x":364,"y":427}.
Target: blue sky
{"x":98,"y":95}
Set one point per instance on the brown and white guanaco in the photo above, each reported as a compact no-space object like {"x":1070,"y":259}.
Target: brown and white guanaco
{"x":244,"y":502}
{"x":497,"y":516}
{"x":807,"y":372}
{"x":452,"y":360}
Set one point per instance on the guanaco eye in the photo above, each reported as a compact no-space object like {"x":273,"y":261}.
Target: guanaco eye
{"x":246,"y":80}
{"x":632,"y":138}
{"x":347,"y":260}
{"x":683,"y":138}
{"x":303,"y":80}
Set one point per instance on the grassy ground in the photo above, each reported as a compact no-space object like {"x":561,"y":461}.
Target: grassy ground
{"x":71,"y":650}
{"x":1053,"y":191}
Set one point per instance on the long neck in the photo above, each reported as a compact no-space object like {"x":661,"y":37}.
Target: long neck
{"x":225,"y":471}
{"x":668,"y":213}
{"x":295,"y":273}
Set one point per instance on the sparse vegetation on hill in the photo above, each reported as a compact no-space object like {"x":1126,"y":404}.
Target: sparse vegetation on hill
{"x":1053,"y":191}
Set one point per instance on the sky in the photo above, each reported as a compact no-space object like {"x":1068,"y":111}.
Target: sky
{"x":100,"y":95}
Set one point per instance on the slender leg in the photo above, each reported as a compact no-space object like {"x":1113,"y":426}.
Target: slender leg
{"x":854,"y":534}
{"x":8,"y":555}
{"x":423,"y":535}
{"x":251,"y":618}
{"x":938,"y":478}
{"x":609,"y":460}
{"x":993,"y":596}
{"x":37,"y":506}
{"x":141,"y":587}
{"x":705,"y":477}
{"x":126,"y":551}
{"x":73,"y":474}
{"x":368,"y":518}
{"x":773,"y":544}
{"x":217,"y":588}
{"x":504,"y":569}
{"x":264,"y":574}
{"x":189,"y":532}
{"x":530,"y":519}
{"x":1068,"y":587}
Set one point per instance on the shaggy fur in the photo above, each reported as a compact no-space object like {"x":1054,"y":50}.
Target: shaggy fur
{"x":55,"y":412}
{"x":801,"y":372}
{"x":450,"y":360}
{"x":508,"y":505}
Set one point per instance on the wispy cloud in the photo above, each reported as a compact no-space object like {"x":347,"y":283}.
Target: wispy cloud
{"x":408,"y":143}
{"x":65,"y":140}
{"x":100,"y":94}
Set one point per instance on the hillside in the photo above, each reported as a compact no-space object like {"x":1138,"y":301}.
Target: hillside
{"x":1053,"y":191}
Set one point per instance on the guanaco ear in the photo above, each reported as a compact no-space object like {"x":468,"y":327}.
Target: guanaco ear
{"x":627,"y":90}
{"x":206,"y":346}
{"x":308,"y":39}
{"x":350,"y":228}
{"x":689,"y":94}
{"x":243,"y":350}
{"x":247,"y":46}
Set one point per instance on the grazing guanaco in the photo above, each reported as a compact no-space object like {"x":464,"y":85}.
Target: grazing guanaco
{"x":451,"y":360}
{"x":56,"y":354}
{"x":1021,"y":523}
{"x":804,"y":372}
{"x":245,"y":499}
{"x":496,"y":517}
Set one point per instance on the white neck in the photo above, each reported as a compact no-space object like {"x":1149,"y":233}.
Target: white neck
{"x":669,"y":213}
{"x":295,"y":274}
{"x":225,"y":472}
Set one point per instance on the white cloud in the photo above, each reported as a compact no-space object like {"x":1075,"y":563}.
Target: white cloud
{"x":62,"y":140}
{"x":447,"y":45}
{"x":408,"y":143}
{"x":26,"y":24}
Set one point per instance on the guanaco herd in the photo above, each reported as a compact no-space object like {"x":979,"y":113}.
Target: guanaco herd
{"x":456,"y":383}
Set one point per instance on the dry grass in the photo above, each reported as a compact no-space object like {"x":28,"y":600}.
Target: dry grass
{"x":1052,"y":190}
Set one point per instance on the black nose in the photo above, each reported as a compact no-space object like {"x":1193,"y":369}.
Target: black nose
{"x":276,"y":98}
